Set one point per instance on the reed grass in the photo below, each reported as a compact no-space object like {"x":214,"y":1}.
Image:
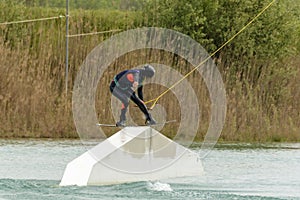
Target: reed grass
{"x":33,"y":102}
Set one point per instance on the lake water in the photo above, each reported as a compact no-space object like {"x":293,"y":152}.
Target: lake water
{"x":32,"y":169}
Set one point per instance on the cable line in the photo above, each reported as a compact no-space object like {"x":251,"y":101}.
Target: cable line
{"x":94,"y":33}
{"x":221,"y":47}
{"x":31,"y":20}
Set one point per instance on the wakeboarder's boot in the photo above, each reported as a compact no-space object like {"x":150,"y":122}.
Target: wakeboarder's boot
{"x":122,"y":121}
{"x":150,"y":121}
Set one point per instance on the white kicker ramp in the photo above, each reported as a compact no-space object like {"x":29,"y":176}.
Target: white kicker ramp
{"x":132,"y":154}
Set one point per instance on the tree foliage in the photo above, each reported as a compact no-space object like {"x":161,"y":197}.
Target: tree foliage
{"x":259,"y":67}
{"x":85,"y":4}
{"x":184,"y":16}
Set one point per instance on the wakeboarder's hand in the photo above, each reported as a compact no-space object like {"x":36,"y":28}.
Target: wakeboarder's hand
{"x":135,"y":85}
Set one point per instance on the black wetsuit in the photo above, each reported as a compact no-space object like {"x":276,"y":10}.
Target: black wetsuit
{"x":121,"y":87}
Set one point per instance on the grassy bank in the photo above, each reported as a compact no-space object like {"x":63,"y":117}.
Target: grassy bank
{"x":260,"y":68}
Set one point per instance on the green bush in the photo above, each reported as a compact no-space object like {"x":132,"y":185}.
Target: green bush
{"x":260,"y":67}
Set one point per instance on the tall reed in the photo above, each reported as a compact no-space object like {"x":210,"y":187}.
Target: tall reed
{"x":33,"y":102}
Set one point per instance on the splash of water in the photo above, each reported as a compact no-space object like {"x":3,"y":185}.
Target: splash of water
{"x":158,"y":186}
